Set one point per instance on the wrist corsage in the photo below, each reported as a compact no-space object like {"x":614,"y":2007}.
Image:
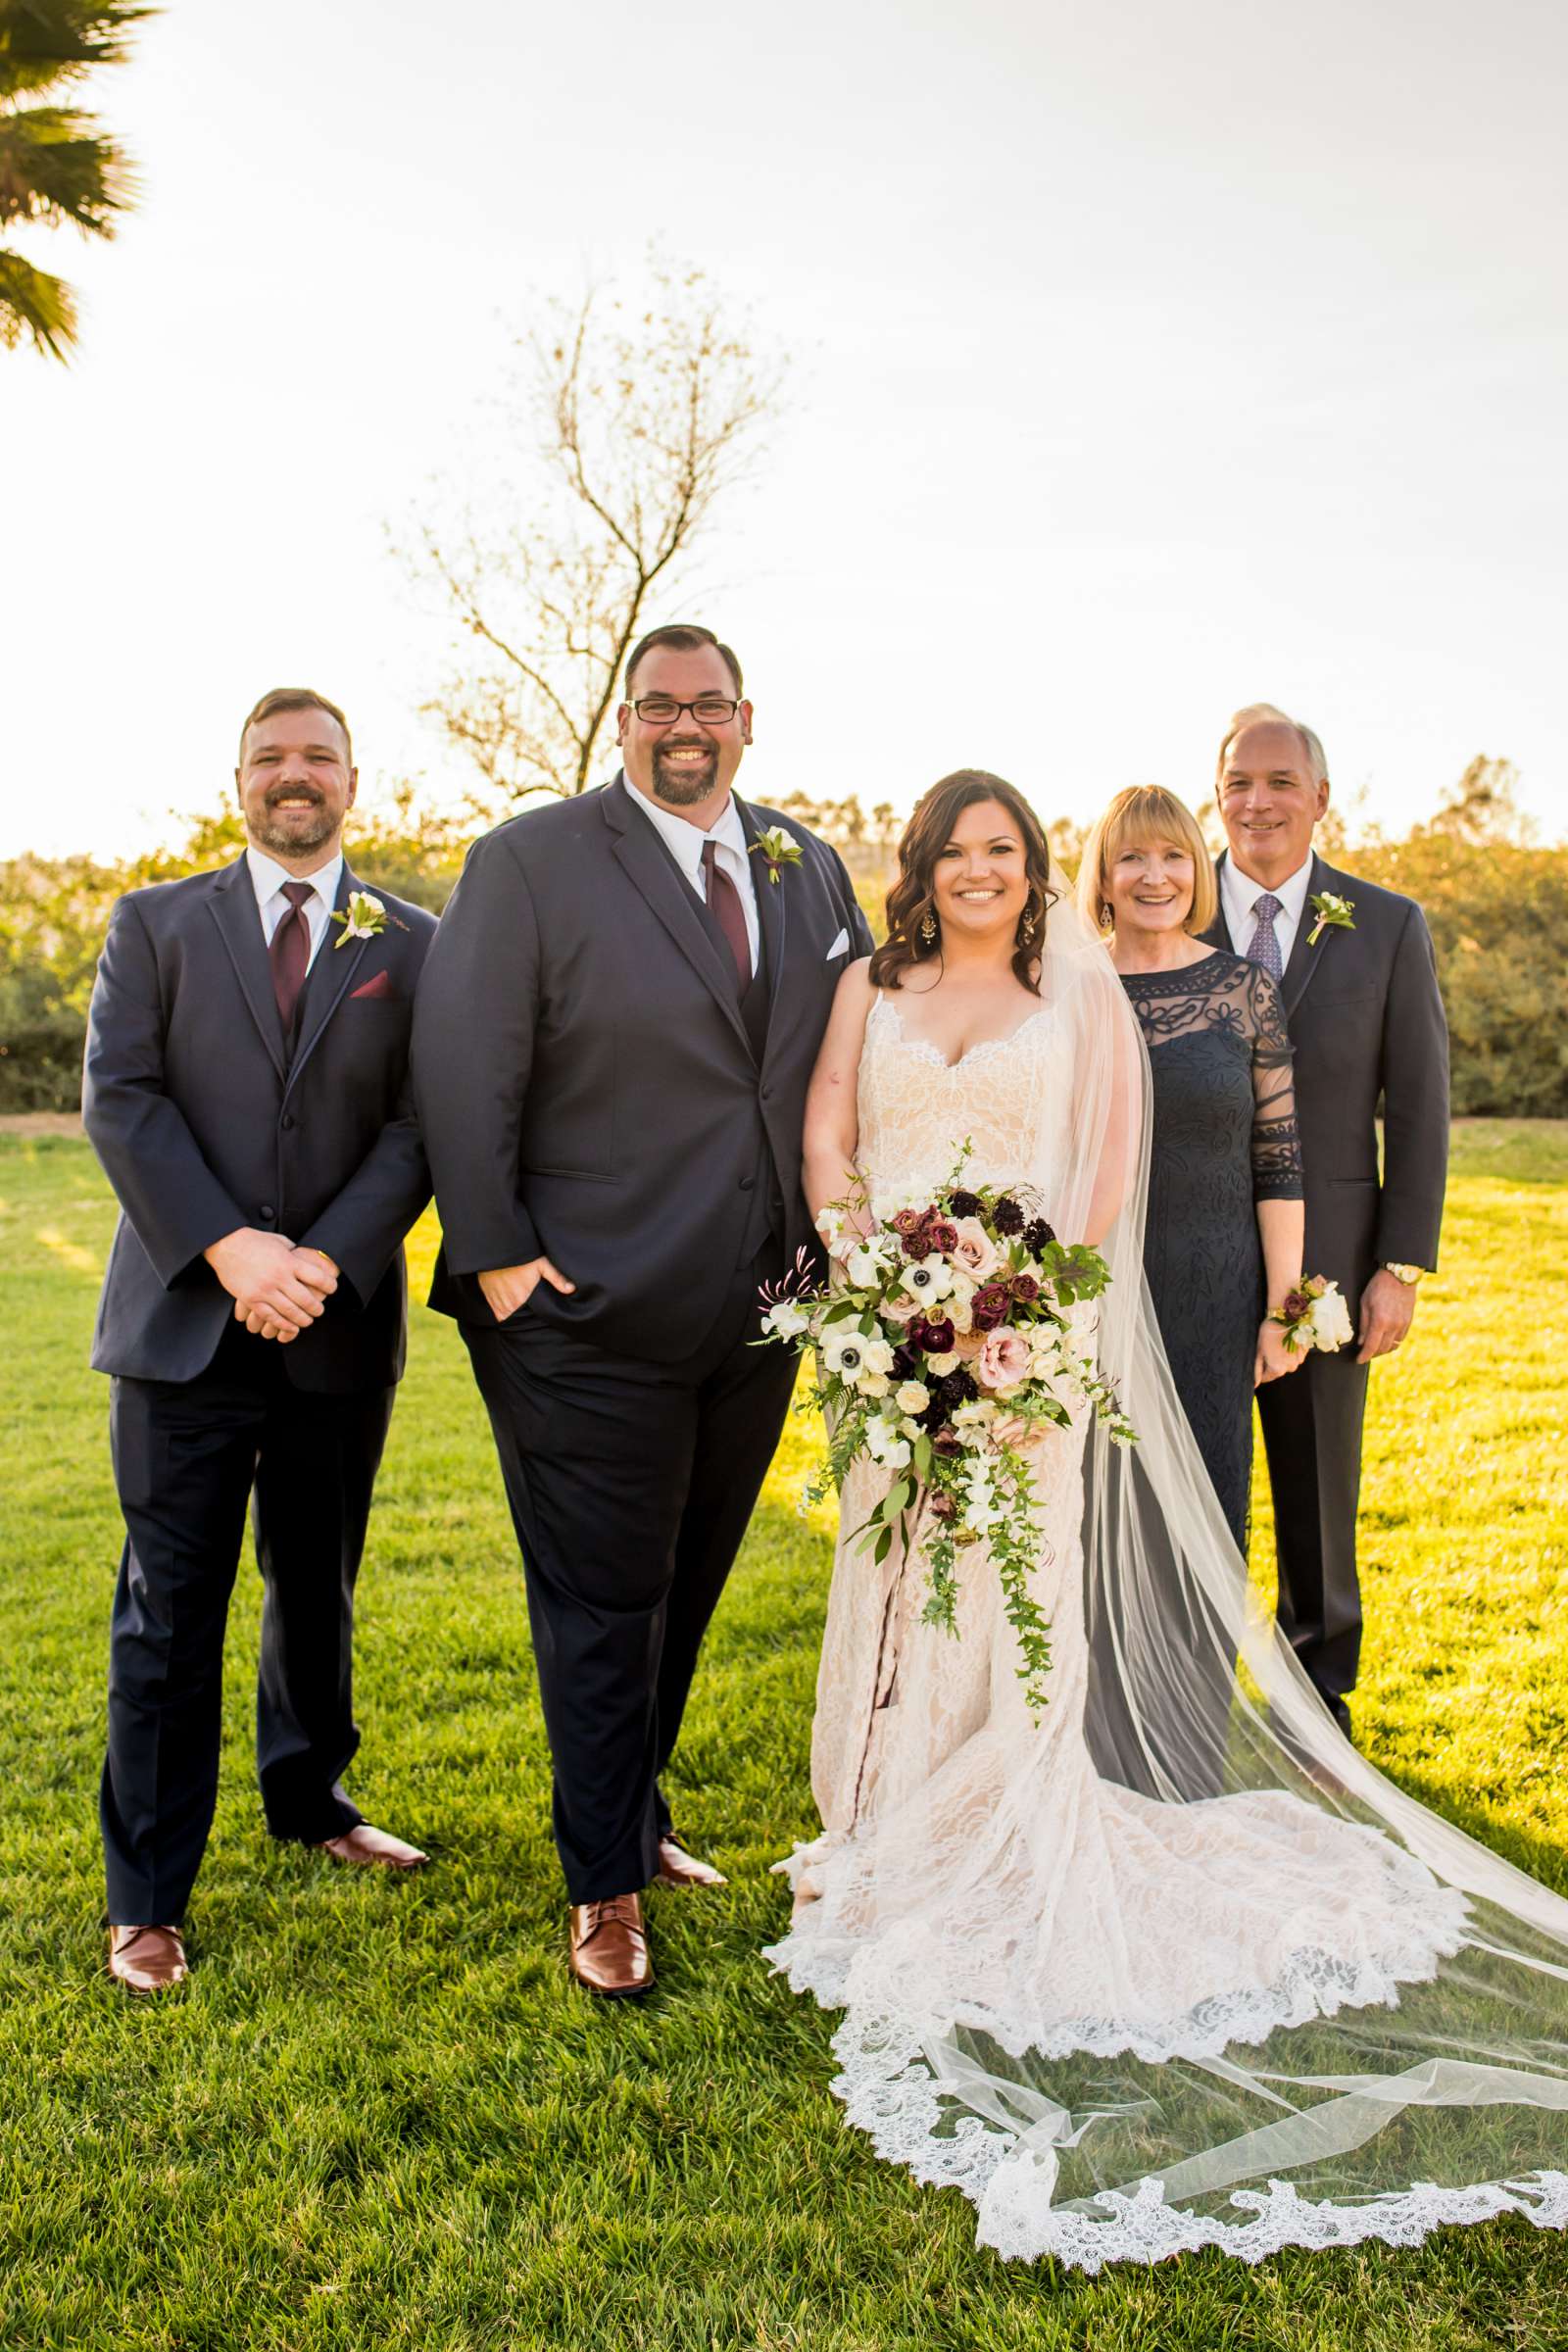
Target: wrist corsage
{"x":1313,"y":1315}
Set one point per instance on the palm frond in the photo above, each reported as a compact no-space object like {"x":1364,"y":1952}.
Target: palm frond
{"x":55,"y":165}
{"x":35,"y":303}
{"x":43,"y":42}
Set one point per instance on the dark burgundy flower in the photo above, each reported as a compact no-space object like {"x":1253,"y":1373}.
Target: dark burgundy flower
{"x":966,"y":1204}
{"x":915,"y":1243}
{"x":1008,"y":1217}
{"x":1297,"y":1304}
{"x":943,"y":1506}
{"x":910,"y":1220}
{"x":1038,"y":1236}
{"x":1025,"y":1287}
{"x":935,"y":1336}
{"x":961,"y":1386}
{"x":943,"y":1234}
{"x":947,"y":1442}
{"x":906,"y":1363}
{"x":989,"y":1305}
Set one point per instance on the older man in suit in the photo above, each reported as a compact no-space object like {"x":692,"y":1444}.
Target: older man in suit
{"x":1355,"y":967}
{"x":611,"y":1047}
{"x":246,"y":1090}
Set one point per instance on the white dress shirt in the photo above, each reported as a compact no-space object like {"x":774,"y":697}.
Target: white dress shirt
{"x":684,"y":840}
{"x":267,"y":878}
{"x":1239,"y":894}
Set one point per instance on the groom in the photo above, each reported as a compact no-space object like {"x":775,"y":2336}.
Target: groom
{"x":611,"y":1047}
{"x":1366,"y":1022}
{"x":246,"y":1090}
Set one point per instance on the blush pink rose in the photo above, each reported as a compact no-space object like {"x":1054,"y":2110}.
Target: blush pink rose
{"x":1004,"y":1360}
{"x":901,"y":1309}
{"x":973,"y":1248}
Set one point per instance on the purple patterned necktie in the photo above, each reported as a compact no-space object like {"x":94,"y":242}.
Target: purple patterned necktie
{"x":290,"y":952}
{"x":1263,"y":948}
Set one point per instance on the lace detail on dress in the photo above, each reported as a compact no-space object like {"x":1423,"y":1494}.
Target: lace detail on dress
{"x":1226,"y":997}
{"x":985,"y":1906}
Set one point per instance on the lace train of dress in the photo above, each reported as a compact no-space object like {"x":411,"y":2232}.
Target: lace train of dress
{"x":1080,"y":2003}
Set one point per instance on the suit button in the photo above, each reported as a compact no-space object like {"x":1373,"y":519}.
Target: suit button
{"x":748,"y":1183}
{"x":288,"y":1121}
{"x":267,"y":1213}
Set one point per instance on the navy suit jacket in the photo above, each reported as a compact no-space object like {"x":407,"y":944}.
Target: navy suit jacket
{"x":205,"y":1121}
{"x":585,"y":1079}
{"x":1366,"y":1020}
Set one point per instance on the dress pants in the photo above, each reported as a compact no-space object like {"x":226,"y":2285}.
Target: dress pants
{"x":188,"y":1456}
{"x":1313,"y":1425}
{"x":631,"y":1485}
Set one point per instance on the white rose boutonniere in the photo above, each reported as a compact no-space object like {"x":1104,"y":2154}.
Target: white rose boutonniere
{"x":364,"y":917}
{"x":776,"y":851}
{"x":1333,"y":914}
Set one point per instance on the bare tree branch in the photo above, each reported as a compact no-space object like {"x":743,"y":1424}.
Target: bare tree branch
{"x":638,"y":411}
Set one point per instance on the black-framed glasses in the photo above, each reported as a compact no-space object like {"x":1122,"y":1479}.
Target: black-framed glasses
{"x":708,"y":709}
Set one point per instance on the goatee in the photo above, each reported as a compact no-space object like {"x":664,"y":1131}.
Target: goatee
{"x":680,"y":785}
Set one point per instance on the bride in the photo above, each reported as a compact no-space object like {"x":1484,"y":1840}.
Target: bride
{"x":1171,"y":1966}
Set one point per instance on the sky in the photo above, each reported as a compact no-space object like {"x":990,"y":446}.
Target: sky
{"x":1146,"y":361}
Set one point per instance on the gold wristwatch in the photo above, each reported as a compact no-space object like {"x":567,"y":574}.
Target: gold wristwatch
{"x":1409,"y":1274}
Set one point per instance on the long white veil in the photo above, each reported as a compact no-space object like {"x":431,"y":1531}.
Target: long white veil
{"x":1370,"y":2034}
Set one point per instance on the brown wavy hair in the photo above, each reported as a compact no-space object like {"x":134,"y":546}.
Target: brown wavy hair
{"x":914,"y":895}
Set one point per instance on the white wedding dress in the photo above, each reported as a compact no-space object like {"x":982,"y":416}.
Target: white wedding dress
{"x":1095,"y":1973}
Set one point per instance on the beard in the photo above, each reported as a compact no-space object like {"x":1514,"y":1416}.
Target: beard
{"x":681,"y":785}
{"x":288,"y":836}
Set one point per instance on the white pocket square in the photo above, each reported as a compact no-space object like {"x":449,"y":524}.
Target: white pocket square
{"x":838,"y":946}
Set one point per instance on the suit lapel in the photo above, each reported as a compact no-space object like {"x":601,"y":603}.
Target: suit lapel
{"x":1304,"y":960}
{"x":1218,"y":934}
{"x":772,"y":908}
{"x":644,"y":857}
{"x":235,"y":911}
{"x":326,"y":983}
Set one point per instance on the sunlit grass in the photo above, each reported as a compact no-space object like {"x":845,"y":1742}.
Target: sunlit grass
{"x":379,"y":2114}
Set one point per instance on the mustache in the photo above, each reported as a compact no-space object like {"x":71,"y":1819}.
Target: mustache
{"x":684,"y":742}
{"x":294,"y":792}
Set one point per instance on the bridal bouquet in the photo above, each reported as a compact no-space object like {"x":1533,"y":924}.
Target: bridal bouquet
{"x":944,"y":1345}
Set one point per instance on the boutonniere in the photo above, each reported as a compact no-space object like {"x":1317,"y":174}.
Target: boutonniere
{"x":1333,"y":914}
{"x":364,"y":917}
{"x":777,"y":848}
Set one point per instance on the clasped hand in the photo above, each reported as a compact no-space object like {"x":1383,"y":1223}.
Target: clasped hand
{"x":279,"y":1289}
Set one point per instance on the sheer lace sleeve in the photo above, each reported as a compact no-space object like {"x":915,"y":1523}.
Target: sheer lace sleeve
{"x":1276,"y":1136}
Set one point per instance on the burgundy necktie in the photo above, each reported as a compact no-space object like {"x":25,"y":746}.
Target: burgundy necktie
{"x":726,"y":902}
{"x":290,"y":952}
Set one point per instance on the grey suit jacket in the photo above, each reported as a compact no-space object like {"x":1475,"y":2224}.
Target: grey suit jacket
{"x":205,"y":1121}
{"x":1366,"y":1020}
{"x":586,"y":1081}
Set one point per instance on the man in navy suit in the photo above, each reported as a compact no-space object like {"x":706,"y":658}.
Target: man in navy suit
{"x":246,"y":1089}
{"x":616,"y":1030}
{"x":1366,"y":1023}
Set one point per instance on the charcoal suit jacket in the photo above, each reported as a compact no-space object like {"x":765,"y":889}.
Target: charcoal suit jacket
{"x":207,"y":1117}
{"x":585,"y":1077}
{"x":1367,"y":1022}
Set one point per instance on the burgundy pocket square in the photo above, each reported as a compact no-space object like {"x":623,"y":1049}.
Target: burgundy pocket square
{"x":378,"y":986}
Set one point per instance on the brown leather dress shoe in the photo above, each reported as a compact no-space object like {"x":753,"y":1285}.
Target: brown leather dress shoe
{"x":146,"y":1959}
{"x":610,"y":1947}
{"x":678,"y":1868}
{"x":374,"y":1847}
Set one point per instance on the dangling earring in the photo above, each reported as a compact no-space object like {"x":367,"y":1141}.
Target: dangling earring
{"x":928,"y":927}
{"x":1026,"y":929}
{"x":1107,"y":916}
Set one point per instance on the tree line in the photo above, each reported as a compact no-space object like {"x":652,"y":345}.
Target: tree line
{"x":1496,"y":899}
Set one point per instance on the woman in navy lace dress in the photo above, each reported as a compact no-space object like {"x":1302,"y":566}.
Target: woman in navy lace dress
{"x":1223,"y":1241}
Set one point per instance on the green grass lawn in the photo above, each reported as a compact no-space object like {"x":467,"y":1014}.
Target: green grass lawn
{"x":379,"y":2114}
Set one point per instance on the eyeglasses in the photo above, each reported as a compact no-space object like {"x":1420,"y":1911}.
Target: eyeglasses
{"x":708,"y":709}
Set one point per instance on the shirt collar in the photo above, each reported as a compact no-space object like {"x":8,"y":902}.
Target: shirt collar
{"x":268,"y":877}
{"x":683,"y":839}
{"x":1245,"y":893}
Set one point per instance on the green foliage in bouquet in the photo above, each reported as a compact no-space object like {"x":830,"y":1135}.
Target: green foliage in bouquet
{"x":946,"y":1347}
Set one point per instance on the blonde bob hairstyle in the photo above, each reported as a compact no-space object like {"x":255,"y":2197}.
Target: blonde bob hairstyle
{"x":1138,"y":818}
